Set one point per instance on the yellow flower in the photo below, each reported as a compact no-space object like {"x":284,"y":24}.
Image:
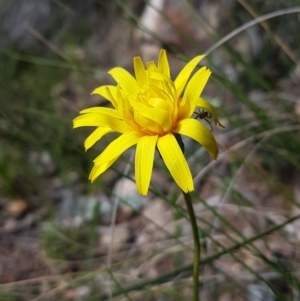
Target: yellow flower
{"x":150,"y":111}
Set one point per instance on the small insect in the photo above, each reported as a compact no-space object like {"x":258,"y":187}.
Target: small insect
{"x":204,"y":115}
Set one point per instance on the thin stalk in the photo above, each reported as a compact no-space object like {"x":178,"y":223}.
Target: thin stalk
{"x":197,"y":250}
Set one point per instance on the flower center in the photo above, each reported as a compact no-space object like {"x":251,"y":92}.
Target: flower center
{"x":153,"y":111}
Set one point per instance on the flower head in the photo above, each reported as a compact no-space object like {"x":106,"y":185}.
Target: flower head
{"x":151,"y":110}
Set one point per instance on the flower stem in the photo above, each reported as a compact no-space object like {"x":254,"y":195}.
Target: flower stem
{"x":197,"y":254}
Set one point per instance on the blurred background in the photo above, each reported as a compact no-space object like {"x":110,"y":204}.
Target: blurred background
{"x":63,"y":238}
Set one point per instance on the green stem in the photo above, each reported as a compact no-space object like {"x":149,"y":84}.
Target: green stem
{"x":197,"y":250}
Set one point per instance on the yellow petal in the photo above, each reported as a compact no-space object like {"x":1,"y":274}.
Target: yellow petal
{"x":148,"y":125}
{"x":166,"y":83}
{"x":108,"y":92}
{"x":144,"y":158}
{"x":203,"y":104}
{"x":102,"y":110}
{"x":194,"y":89}
{"x":140,"y":72}
{"x":184,"y":110}
{"x":158,"y":102}
{"x":185,"y":73}
{"x":161,"y":117}
{"x":97,"y":170}
{"x":175,"y":162}
{"x":117,"y":147}
{"x":126,"y":81}
{"x":103,"y":120}
{"x":127,"y":112}
{"x":197,"y":131}
{"x":163,"y":64}
{"x":159,"y":92}
{"x":95,"y":136}
{"x":151,"y":67}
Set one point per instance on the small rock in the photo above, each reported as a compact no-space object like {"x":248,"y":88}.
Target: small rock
{"x":121,"y":235}
{"x":260,"y":292}
{"x":152,"y":20}
{"x":157,"y":215}
{"x":74,"y":211}
{"x":81,"y":292}
{"x":225,"y":297}
{"x":17,"y":207}
{"x":43,"y":162}
{"x":126,"y":190}
{"x":10,"y":225}
{"x":158,"y":212}
{"x":78,"y":293}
